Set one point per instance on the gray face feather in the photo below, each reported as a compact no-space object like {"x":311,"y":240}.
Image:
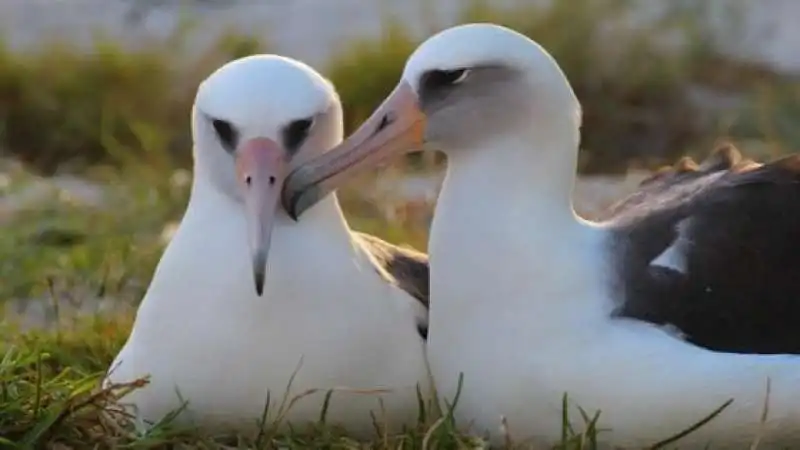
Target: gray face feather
{"x":491,"y":100}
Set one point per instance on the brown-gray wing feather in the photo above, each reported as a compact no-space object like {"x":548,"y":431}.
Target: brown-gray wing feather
{"x":403,"y":267}
{"x":679,"y":181}
{"x":408,"y":268}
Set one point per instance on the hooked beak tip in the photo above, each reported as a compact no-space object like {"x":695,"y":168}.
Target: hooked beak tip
{"x":293,"y":214}
{"x":290,"y":204}
{"x":299,"y":196}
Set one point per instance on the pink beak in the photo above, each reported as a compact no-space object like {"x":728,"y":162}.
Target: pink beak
{"x":261,"y":166}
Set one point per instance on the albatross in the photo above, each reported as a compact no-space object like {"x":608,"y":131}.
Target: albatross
{"x":530,"y":302}
{"x":244,"y":297}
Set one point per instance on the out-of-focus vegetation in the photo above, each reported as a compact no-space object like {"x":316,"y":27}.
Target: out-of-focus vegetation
{"x":64,"y":108}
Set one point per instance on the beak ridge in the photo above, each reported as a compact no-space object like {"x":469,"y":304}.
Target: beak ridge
{"x":261,"y":166}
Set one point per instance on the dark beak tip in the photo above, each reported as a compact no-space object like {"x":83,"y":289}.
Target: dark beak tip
{"x":294,"y":217}
{"x":290,"y":197}
{"x":259,"y":272}
{"x":303,"y":200}
{"x":259,"y":285}
{"x":291,"y":204}
{"x":291,"y":210}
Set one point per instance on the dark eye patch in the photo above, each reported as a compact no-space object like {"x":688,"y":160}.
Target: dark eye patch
{"x":296,"y":132}
{"x":226,"y":133}
{"x":434,"y":80}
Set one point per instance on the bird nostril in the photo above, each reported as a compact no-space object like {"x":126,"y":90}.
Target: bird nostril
{"x":248,"y":180}
{"x":271,"y":180}
{"x":386,"y":120}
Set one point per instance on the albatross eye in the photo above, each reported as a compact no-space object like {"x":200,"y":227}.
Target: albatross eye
{"x":226,"y":133}
{"x":438,"y":79}
{"x":296,"y":132}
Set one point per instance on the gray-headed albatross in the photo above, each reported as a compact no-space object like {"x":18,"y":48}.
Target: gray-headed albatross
{"x":328,"y":303}
{"x":528,"y":299}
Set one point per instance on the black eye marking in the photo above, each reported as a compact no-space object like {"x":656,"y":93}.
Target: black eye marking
{"x":386,"y":120}
{"x":296,"y":133}
{"x":439,"y":79}
{"x":226,"y":133}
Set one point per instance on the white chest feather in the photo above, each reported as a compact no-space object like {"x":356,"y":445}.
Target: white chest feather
{"x":326,"y":318}
{"x":520,"y":309}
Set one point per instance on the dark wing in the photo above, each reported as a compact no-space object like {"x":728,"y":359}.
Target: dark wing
{"x":736,"y":226}
{"x":405,"y":267}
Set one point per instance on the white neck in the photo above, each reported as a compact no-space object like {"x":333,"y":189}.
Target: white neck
{"x":531,"y":176}
{"x":505,"y":234}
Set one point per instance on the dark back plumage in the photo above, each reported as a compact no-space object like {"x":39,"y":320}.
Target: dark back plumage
{"x":738,"y":224}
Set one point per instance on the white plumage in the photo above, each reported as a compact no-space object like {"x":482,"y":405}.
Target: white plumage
{"x":202,"y":331}
{"x":523,"y":290}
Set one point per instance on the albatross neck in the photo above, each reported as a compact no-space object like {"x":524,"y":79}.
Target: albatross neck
{"x":513,"y":182}
{"x":504,"y":226}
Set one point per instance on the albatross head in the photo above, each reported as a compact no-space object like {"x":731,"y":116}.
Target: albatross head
{"x":460,"y":88}
{"x":254,"y":119}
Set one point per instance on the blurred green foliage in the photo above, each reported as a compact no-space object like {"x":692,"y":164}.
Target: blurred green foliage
{"x":65,"y":108}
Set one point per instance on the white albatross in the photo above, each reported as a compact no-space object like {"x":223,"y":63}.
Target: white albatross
{"x":525,"y":294}
{"x":331,"y":297}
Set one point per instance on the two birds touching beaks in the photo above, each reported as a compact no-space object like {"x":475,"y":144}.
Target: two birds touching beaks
{"x":264,"y":282}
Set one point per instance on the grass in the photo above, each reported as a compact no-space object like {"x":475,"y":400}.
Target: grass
{"x":49,"y":398}
{"x":101,"y":122}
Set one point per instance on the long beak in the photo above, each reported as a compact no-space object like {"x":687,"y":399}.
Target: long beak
{"x":261,"y":166}
{"x":397,"y":126}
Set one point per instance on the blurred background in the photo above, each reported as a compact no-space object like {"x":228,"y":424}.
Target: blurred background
{"x":95,"y":147}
